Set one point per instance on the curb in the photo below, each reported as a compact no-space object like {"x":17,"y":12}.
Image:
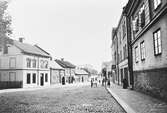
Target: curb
{"x":124,"y":105}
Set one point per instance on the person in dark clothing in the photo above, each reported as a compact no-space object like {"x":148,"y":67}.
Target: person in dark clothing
{"x":125,"y":83}
{"x":91,"y":83}
{"x":108,"y":83}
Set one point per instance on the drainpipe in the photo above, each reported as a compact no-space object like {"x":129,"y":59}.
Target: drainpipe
{"x":130,"y":55}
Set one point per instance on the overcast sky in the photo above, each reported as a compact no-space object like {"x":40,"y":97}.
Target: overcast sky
{"x":77,"y":30}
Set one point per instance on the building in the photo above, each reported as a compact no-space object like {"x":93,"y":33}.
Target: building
{"x":120,"y":51}
{"x":114,"y":53}
{"x":69,"y":68}
{"x":81,"y":75}
{"x":148,"y":38}
{"x":56,"y":72}
{"x":24,"y":65}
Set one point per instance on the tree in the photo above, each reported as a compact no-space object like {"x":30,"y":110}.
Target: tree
{"x":5,"y":23}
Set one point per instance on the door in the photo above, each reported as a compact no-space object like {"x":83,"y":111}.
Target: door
{"x":126,"y":74}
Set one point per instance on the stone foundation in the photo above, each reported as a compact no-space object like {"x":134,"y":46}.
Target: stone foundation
{"x":152,"y":82}
{"x":9,"y":85}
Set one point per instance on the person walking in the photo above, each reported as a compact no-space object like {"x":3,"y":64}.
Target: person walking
{"x":91,"y":83}
{"x":108,"y":83}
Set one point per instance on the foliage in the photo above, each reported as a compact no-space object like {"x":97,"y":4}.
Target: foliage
{"x":5,"y":20}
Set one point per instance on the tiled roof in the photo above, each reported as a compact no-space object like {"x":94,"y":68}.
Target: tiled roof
{"x":80,"y":72}
{"x":30,"y":49}
{"x":65,"y":64}
{"x":55,"y":65}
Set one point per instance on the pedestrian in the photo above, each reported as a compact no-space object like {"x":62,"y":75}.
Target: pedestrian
{"x":91,"y":83}
{"x":108,"y":83}
{"x":125,"y":83}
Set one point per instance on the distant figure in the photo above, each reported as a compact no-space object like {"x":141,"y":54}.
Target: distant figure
{"x":108,"y":83}
{"x":125,"y":83}
{"x":91,"y":83}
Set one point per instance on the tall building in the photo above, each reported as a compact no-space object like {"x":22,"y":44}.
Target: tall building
{"x":147,"y":21}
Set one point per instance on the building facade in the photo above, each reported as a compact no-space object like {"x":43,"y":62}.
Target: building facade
{"x":69,"y":74}
{"x":81,"y":75}
{"x":148,"y":34}
{"x":56,"y":73}
{"x":120,"y":51}
{"x":24,"y":65}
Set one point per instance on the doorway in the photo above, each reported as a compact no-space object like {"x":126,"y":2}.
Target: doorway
{"x":63,"y":80}
{"x":42,"y":79}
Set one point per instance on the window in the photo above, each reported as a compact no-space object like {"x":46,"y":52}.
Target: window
{"x":34,"y":63}
{"x":142,"y":50}
{"x":12,"y":76}
{"x":157,"y":42}
{"x":28,"y":78}
{"x":136,"y":54}
{"x":46,"y":77}
{"x":142,"y":17}
{"x":42,"y":64}
{"x":124,"y":29}
{"x":28,"y":62}
{"x":46,"y":64}
{"x":12,"y":62}
{"x":34,"y":78}
{"x":157,"y":3}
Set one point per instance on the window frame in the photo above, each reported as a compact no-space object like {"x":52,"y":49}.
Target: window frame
{"x":142,"y":50}
{"x":28,"y":80}
{"x":137,"y":54}
{"x":34,"y":81}
{"x":157,"y":41}
{"x":10,"y":62}
{"x":28,"y":62}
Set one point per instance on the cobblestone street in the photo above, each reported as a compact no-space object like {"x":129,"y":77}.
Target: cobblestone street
{"x":60,"y":100}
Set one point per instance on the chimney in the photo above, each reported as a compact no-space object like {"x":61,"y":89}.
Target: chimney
{"x":62,"y":59}
{"x":21,"y":39}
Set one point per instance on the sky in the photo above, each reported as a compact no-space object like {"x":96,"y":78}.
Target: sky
{"x":77,"y":30}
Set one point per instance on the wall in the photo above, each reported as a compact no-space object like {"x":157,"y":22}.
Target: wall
{"x":152,"y":82}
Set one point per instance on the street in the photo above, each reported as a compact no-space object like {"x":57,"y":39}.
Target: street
{"x":81,"y":99}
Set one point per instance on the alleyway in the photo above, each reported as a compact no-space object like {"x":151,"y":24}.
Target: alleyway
{"x":81,"y":99}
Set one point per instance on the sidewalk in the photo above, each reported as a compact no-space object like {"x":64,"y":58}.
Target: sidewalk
{"x":45,"y":87}
{"x":136,"y":102}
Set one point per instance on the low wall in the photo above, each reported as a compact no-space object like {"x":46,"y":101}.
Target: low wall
{"x":8,"y":85}
{"x":152,"y":82}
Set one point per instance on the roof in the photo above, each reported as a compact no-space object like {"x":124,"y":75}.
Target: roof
{"x":30,"y":49}
{"x":54,"y":65}
{"x":80,"y":72}
{"x":65,"y":64}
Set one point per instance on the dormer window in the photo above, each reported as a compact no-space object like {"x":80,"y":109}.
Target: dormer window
{"x":157,"y":3}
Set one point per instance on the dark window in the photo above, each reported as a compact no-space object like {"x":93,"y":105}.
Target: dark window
{"x":46,"y":77}
{"x":142,"y":50}
{"x":34,"y":78}
{"x":157,"y":42}
{"x":28,"y":78}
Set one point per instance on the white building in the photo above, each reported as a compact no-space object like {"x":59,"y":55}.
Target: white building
{"x":24,"y":65}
